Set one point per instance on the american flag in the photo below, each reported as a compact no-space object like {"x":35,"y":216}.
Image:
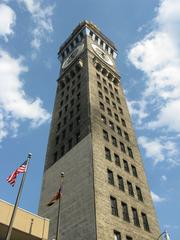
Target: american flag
{"x":21,"y":169}
{"x":55,"y":197}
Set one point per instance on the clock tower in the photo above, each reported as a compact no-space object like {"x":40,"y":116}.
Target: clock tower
{"x":92,"y":140}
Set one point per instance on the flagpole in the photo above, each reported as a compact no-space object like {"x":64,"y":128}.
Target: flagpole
{"x":59,"y":208}
{"x":8,"y":236}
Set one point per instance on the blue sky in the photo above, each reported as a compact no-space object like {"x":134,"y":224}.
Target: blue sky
{"x":146,"y":34}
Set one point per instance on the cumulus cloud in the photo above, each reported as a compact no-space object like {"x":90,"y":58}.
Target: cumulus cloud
{"x":156,"y":198}
{"x":41,"y":16}
{"x":7,"y":21}
{"x":15,"y":105}
{"x":159,"y":150}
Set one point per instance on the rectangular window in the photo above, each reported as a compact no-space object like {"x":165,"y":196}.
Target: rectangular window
{"x":71,"y":127}
{"x":58,"y":127}
{"x":129,"y":238}
{"x":116,"y":91}
{"x":110,"y":86}
{"x":101,"y":106}
{"x":130,"y":188}
{"x":78,"y":120}
{"x":117,"y":160}
{"x":98,"y":76}
{"x":112,"y":95}
{"x":121,"y":183}
{"x":139,"y":194}
{"x":65,"y":120}
{"x":114,"y":105}
{"x":114,"y":209}
{"x":99,"y":84}
{"x":125,"y":212}
{"x":122,"y":147}
{"x":105,"y":135}
{"x":116,"y":117}
{"x":120,"y":110}
{"x":111,"y":124}
{"x":63,"y":134}
{"x":78,"y":107}
{"x":71,"y":114}
{"x":100,"y":94}
{"x":55,"y":156}
{"x":130,"y":152}
{"x":145,"y":222}
{"x":110,"y":177}
{"x":126,"y":166}
{"x":107,"y":100}
{"x":104,"y":81}
{"x":126,"y":136}
{"x":72,"y":102}
{"x":107,"y":154}
{"x":105,"y":90}
{"x":109,"y":112}
{"x":70,"y":144}
{"x":117,"y":235}
{"x":134,"y":171}
{"x":78,"y":137}
{"x":66,"y":108}
{"x":60,"y":113}
{"x":78,"y":96}
{"x":62,"y":150}
{"x":118,"y":100}
{"x":114,"y":141}
{"x":72,"y":91}
{"x":78,"y":86}
{"x":123,"y":122}
{"x":67,"y":97}
{"x":103,"y":119}
{"x":119,"y":131}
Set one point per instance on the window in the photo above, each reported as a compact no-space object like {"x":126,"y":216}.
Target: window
{"x":130,"y":188}
{"x":63,"y":134}
{"x":58,"y":127}
{"x":114,"y":209}
{"x":145,"y":222}
{"x":66,"y":108}
{"x":109,"y":112}
{"x":110,"y":177}
{"x":78,"y":120}
{"x":67,"y":97}
{"x":119,"y":131}
{"x":118,"y":100}
{"x":78,"y":96}
{"x":121,"y":183}
{"x":114,"y":105}
{"x":57,"y":140}
{"x":107,"y":100}
{"x":62,"y":150}
{"x":126,"y":166}
{"x":104,"y":81}
{"x":112,"y":95}
{"x":117,"y":160}
{"x":111,"y":124}
{"x":77,"y":137}
{"x":60,"y":113}
{"x":116,"y":91}
{"x":116,"y":117}
{"x":65,"y":120}
{"x":139,"y":194}
{"x":130,"y":152}
{"x":120,"y":110}
{"x":134,"y":171}
{"x":72,"y":102}
{"x":123,"y":122}
{"x":128,"y":238}
{"x":98,"y":76}
{"x":107,"y":154}
{"x":101,"y":106}
{"x":72,"y":91}
{"x":61,"y":103}
{"x":117,"y":235}
{"x":78,"y":86}
{"x":125,"y":212}
{"x":100,"y":94}
{"x":99,"y":84}
{"x":78,"y":107}
{"x":70,"y":144}
{"x":71,"y":114}
{"x":55,"y":156}
{"x":105,"y":135}
{"x":114,"y":141}
{"x":126,"y":136}
{"x":103,"y":119}
{"x":73,"y":83}
{"x":71,"y":127}
{"x":110,"y":86}
{"x":122,"y":147}
{"x":105,"y":90}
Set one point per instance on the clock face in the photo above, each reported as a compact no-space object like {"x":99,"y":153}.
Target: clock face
{"x":102,"y":54}
{"x":72,"y":56}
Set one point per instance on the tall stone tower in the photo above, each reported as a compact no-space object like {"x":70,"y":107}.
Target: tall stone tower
{"x":106,"y":195}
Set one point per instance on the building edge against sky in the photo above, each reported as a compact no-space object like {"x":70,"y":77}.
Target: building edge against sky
{"x":106,"y":195}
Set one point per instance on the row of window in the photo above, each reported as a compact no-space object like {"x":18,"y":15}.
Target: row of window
{"x":118,"y":162}
{"x":109,"y":112}
{"x":125,"y":213}
{"x":105,"y":83}
{"x":72,"y":100}
{"x":121,"y":185}
{"x":107,"y":92}
{"x":72,"y":89}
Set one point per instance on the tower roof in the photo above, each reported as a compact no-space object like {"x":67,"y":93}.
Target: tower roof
{"x":92,"y":26}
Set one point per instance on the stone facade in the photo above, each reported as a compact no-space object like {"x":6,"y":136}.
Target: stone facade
{"x":93,"y":203}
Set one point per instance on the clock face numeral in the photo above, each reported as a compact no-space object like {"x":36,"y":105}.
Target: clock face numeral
{"x":102,"y":54}
{"x":72,"y":56}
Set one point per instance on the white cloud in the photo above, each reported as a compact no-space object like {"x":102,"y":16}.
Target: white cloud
{"x":164,"y":178}
{"x":15,"y":105}
{"x":159,"y":150}
{"x":7,"y":21}
{"x":41,"y":16}
{"x":158,"y":56}
{"x":156,"y":198}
